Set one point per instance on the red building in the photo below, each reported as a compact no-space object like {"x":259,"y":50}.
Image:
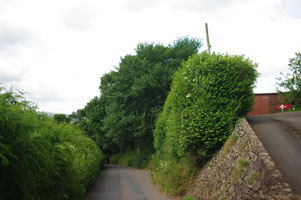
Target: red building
{"x":265,"y":103}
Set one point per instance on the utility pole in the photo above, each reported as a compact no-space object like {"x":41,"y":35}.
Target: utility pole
{"x":207,"y":35}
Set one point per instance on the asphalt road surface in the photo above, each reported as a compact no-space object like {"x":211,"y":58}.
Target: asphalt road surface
{"x":281,"y":136}
{"x":124,"y":183}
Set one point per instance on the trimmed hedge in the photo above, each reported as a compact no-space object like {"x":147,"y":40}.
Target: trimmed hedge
{"x":208,"y":95}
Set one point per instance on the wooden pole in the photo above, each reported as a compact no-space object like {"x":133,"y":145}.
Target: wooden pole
{"x":207,"y":36}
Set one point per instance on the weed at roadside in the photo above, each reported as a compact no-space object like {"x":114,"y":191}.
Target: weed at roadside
{"x":238,"y":170}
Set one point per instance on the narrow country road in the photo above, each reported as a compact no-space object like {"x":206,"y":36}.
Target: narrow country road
{"x":281,"y":136}
{"x":124,"y":183}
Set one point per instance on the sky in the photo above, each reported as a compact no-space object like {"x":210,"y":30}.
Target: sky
{"x":56,"y":51}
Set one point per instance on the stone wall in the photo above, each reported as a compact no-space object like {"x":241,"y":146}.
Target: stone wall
{"x":242,"y":169}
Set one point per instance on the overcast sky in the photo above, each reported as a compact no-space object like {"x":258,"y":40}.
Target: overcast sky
{"x":57,"y":50}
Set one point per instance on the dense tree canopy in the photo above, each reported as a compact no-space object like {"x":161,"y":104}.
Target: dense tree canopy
{"x":90,"y":120}
{"x":132,"y":96}
{"x":135,"y":93}
{"x":62,"y":118}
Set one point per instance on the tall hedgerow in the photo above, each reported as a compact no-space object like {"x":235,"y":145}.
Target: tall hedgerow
{"x":40,"y":158}
{"x":209,"y":94}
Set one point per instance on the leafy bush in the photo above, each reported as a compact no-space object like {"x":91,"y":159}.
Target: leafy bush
{"x":172,"y":177}
{"x":114,"y":158}
{"x":138,"y":159}
{"x":208,"y":95}
{"x":40,"y":158}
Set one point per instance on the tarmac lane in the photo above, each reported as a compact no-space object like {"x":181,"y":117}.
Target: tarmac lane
{"x":117,"y":182}
{"x":281,"y":136}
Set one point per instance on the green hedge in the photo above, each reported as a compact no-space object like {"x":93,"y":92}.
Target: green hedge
{"x":208,"y":95}
{"x":40,"y":158}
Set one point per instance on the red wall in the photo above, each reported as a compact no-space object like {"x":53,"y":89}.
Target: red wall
{"x":265,"y":104}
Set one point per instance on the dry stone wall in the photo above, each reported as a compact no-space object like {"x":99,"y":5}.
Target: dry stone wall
{"x":242,"y":169}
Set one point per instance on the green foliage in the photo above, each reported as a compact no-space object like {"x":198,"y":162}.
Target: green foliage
{"x":208,"y":95}
{"x":291,"y":82}
{"x":171,"y":176}
{"x":188,"y":198}
{"x":228,"y":145}
{"x":62,"y":118}
{"x":122,"y":119}
{"x":114,"y":158}
{"x":40,"y":158}
{"x":137,"y":159}
{"x":135,"y":93}
{"x":90,"y":120}
{"x":242,"y":145}
{"x":238,"y":170}
{"x":252,"y":177}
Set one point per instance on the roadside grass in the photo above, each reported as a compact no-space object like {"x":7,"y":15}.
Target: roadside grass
{"x":228,"y":145}
{"x":242,"y":145}
{"x":188,"y":198}
{"x":172,"y":177}
{"x":252,"y":177}
{"x":238,"y":170}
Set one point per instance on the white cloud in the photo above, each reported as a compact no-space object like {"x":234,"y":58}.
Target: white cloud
{"x":140,"y":5}
{"x":79,"y":17}
{"x":13,"y":39}
{"x":7,"y":76}
{"x":5,"y":4}
{"x":203,"y":6}
{"x":57,"y":50}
